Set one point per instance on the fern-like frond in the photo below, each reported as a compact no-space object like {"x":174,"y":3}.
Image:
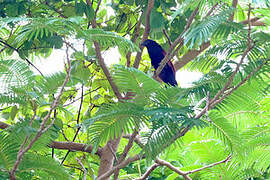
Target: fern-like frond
{"x":203,"y":63}
{"x":8,"y":98}
{"x":245,"y":98}
{"x":202,"y":31}
{"x":22,"y":129}
{"x":14,"y":73}
{"x":44,"y":166}
{"x":107,"y":39}
{"x":210,"y":82}
{"x":226,"y":132}
{"x":41,"y":28}
{"x":227,"y":28}
{"x":113,"y":120}
{"x":134,"y":80}
{"x":50,"y":83}
{"x":8,"y":151}
{"x":164,"y":130}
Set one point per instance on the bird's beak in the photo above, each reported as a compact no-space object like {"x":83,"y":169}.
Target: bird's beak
{"x":144,"y":43}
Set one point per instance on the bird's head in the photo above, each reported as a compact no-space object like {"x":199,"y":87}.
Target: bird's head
{"x":150,"y":43}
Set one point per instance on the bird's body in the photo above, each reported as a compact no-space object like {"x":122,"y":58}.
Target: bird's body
{"x":156,"y":54}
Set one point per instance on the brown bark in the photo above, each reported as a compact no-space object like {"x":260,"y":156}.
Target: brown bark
{"x":190,"y":55}
{"x":3,"y":125}
{"x":146,"y":32}
{"x":72,"y":146}
{"x":108,"y":157}
{"x":234,"y":5}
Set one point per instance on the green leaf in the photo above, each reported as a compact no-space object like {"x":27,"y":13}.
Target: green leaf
{"x":12,"y":9}
{"x":13,"y":112}
{"x":80,"y":71}
{"x":80,"y":8}
{"x":89,"y":12}
{"x":69,"y":11}
{"x":156,"y":21}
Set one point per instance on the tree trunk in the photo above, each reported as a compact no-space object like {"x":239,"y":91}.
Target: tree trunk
{"x":108,"y":156}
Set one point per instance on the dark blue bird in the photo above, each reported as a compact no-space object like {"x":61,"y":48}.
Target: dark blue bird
{"x":156,"y":54}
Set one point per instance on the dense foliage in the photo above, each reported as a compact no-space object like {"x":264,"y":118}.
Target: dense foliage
{"x":63,"y":125}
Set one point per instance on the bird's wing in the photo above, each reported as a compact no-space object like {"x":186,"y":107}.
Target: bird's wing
{"x":169,"y":62}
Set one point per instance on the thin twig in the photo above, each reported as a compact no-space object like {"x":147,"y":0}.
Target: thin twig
{"x":146,"y":32}
{"x":70,"y":45}
{"x":149,"y":171}
{"x":84,"y":170}
{"x":104,"y":67}
{"x":43,"y":127}
{"x":134,"y":38}
{"x":125,"y":152}
{"x":81,"y":96}
{"x":112,"y":151}
{"x":119,"y":166}
{"x":55,"y":9}
{"x":66,"y":165}
{"x":207,"y":106}
{"x":18,"y":51}
{"x":178,"y":42}
{"x":77,"y":121}
{"x":234,"y":5}
{"x":210,"y":165}
{"x":167,"y":36}
{"x":172,"y":167}
{"x":98,"y":6}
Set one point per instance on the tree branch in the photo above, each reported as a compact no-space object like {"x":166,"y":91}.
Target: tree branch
{"x":119,"y":166}
{"x":125,"y":152}
{"x":253,"y":22}
{"x":3,"y":125}
{"x":136,"y":140}
{"x":216,"y":100}
{"x":72,"y":146}
{"x":146,"y":32}
{"x":43,"y":127}
{"x":210,"y":165}
{"x":106,"y":160}
{"x":249,"y":47}
{"x":77,"y":121}
{"x":229,"y":92}
{"x":134,"y":39}
{"x":190,"y":55}
{"x":149,"y":171}
{"x":84,"y":170}
{"x":167,"y":36}
{"x":234,"y":5}
{"x":18,"y":51}
{"x":178,"y":42}
{"x":104,"y":67}
{"x":173,"y":168}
